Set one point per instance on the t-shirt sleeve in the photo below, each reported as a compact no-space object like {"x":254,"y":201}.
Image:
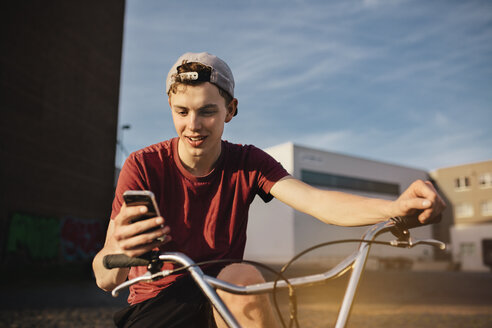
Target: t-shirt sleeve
{"x":270,"y":171}
{"x":131,"y":178}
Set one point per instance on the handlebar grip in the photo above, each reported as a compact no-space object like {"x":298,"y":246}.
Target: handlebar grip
{"x":407,"y":222}
{"x":123,"y":261}
{"x":403,"y":223}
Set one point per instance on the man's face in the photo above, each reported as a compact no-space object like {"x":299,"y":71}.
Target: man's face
{"x":199,"y":113}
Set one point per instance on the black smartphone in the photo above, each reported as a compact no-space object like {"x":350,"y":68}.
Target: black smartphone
{"x":143,"y":197}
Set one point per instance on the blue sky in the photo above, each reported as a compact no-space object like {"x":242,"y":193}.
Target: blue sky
{"x":405,"y":82}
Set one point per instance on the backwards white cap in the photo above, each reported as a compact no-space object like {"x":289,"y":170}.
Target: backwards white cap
{"x":221,"y":74}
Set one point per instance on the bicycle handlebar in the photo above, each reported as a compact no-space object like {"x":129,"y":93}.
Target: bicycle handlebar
{"x":399,"y":229}
{"x":356,"y":261}
{"x":123,"y":261}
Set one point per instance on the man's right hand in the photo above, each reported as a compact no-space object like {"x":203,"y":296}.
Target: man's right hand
{"x":133,"y":238}
{"x":130,"y":238}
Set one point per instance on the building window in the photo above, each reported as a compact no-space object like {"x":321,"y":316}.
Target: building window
{"x":485,"y":180}
{"x":463,"y":210}
{"x":462,"y":183}
{"x":486,"y":208}
{"x":467,"y":249}
{"x":350,"y":183}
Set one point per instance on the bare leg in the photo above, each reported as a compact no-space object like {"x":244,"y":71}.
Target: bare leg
{"x":249,"y":310}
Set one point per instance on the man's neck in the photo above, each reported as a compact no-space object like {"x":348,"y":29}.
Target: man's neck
{"x":199,"y":165}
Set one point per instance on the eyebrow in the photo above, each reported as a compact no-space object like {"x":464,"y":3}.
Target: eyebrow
{"x":208,"y":106}
{"x":204,"y":107}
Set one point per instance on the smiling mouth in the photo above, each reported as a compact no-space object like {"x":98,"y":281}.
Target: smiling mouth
{"x":196,"y":141}
{"x":196,"y":138}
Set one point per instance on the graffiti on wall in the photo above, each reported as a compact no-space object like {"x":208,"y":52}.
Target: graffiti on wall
{"x":34,"y":237}
{"x":81,"y":239}
{"x":69,"y":239}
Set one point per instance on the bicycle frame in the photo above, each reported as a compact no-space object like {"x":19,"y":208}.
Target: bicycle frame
{"x":356,"y":261}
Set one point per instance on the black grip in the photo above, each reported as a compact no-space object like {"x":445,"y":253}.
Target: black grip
{"x":407,"y":222}
{"x":403,"y":223}
{"x":123,"y":261}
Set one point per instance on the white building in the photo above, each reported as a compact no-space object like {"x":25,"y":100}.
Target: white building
{"x":276,"y":232}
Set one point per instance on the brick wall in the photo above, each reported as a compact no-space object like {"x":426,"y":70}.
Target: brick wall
{"x":59,"y":89}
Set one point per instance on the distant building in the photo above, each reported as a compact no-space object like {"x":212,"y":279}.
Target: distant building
{"x":469,"y":191}
{"x":276,"y":232}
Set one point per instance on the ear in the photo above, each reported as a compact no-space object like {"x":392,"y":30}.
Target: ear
{"x":231,"y":110}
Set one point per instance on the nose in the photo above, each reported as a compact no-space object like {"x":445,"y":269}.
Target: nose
{"x":194,"y":122}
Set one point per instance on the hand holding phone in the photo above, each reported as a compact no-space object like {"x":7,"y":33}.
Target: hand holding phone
{"x":145,"y":198}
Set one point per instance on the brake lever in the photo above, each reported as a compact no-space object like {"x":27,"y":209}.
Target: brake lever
{"x":146,"y":277}
{"x":432,"y":242}
{"x":411,"y":242}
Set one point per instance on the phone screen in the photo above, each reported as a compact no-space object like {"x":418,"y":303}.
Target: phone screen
{"x":147,"y":198}
{"x":143,"y":197}
{"x":137,"y":199}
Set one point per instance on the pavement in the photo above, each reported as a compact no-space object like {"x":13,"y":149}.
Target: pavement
{"x":404,"y":299}
{"x":385,"y":299}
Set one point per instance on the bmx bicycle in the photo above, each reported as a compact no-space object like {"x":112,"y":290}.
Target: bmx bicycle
{"x":355,"y":263}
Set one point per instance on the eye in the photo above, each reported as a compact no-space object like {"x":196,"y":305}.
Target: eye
{"x":181,"y":112}
{"x":208,"y":112}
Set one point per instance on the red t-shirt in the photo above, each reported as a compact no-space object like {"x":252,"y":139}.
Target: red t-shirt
{"x":207,"y":215}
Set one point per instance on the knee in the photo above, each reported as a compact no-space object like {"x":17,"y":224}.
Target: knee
{"x":250,"y":310}
{"x":241,"y":274}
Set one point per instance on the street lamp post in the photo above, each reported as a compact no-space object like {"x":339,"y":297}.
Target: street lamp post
{"x":122,"y":150}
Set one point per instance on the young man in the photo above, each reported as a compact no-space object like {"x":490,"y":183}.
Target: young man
{"x":204,"y":187}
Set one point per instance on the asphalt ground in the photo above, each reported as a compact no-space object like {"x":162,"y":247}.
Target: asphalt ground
{"x":385,"y":299}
